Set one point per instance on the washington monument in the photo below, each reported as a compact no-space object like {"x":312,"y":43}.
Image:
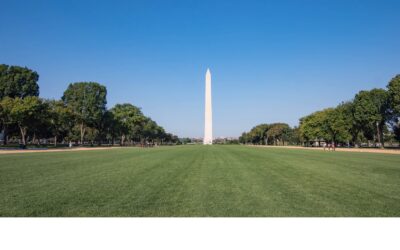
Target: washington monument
{"x":208,"y":137}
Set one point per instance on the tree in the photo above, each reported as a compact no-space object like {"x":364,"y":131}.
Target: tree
{"x":371,"y":112}
{"x":107,"y":127}
{"x":347,"y":112}
{"x":331,"y":124}
{"x":339,"y":124}
{"x":275,"y":133}
{"x":25,"y":113}
{"x":17,"y":81}
{"x":394,"y":95}
{"x":127,"y":119}
{"x":279,"y":132}
{"x":87,"y":100}
{"x":243,"y":139}
{"x":394,"y":104}
{"x":396,"y":132}
{"x":295,"y":137}
{"x":186,"y":140}
{"x":150,"y":130}
{"x":258,"y":134}
{"x":314,"y":126}
{"x":60,"y":119}
{"x":6,"y":120}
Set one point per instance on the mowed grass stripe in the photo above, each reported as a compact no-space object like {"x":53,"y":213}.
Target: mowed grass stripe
{"x":200,"y":181}
{"x":85,"y":181}
{"x":280,"y":183}
{"x":345,"y":182}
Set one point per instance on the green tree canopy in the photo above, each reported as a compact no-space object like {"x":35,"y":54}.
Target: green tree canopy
{"x":152,"y":131}
{"x":257,"y":134}
{"x":331,"y":124}
{"x":18,"y":81}
{"x":6,"y":120}
{"x":127,"y":119}
{"x":371,"y":112}
{"x":87,"y":100}
{"x":339,"y":123}
{"x":278,"y":132}
{"x":60,"y":119}
{"x":26,"y":113}
{"x":394,"y":95}
{"x":269,"y":134}
{"x":314,"y":126}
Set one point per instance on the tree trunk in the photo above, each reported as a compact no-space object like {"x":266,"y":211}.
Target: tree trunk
{"x":82,"y":132}
{"x":5,"y":136}
{"x":38,"y":140}
{"x":23,"y":134}
{"x":55,"y":141}
{"x":379,"y":134}
{"x":122,"y":140}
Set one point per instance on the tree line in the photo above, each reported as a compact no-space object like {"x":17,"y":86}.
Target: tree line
{"x":279,"y":134}
{"x":81,"y":116}
{"x":371,"y":118}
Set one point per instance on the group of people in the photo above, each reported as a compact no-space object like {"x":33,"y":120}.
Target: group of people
{"x":330,"y":146}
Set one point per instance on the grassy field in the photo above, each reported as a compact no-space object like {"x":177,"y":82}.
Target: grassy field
{"x":200,"y":181}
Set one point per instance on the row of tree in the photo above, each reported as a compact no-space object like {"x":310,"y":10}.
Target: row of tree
{"x":372,"y":117}
{"x":271,"y":134}
{"x":80,"y":116}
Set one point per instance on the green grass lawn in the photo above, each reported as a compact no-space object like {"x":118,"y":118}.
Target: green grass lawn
{"x":200,"y":181}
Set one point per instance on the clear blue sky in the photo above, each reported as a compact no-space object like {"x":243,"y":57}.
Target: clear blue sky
{"x":270,"y":60}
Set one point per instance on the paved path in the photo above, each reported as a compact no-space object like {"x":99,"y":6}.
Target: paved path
{"x":21,"y":151}
{"x":362,"y":150}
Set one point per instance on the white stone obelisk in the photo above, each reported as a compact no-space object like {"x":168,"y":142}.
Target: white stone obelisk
{"x":208,"y":137}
